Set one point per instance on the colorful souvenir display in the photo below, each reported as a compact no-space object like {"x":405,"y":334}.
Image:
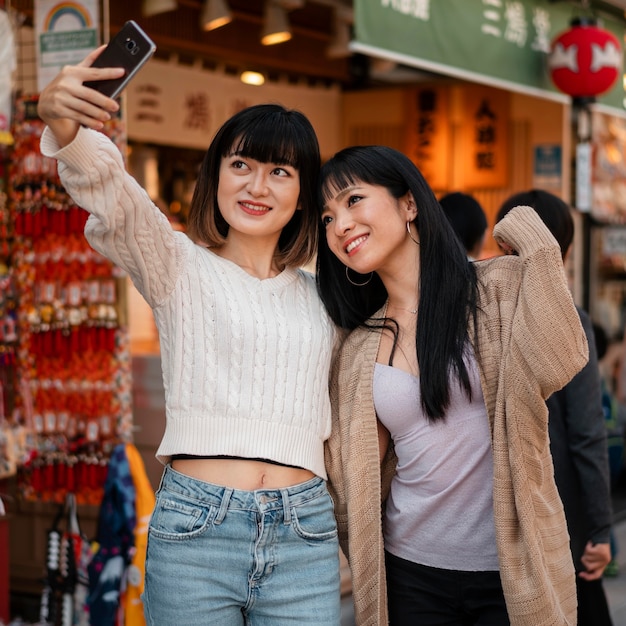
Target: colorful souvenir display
{"x":71,"y":350}
{"x":11,"y":432}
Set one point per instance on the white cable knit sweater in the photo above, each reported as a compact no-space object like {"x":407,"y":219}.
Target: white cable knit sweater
{"x":245,"y":361}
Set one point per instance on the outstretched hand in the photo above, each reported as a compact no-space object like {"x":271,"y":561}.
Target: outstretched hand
{"x":65,"y":103}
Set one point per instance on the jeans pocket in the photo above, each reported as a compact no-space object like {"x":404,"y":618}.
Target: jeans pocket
{"x":176,"y":518}
{"x":314,"y":520}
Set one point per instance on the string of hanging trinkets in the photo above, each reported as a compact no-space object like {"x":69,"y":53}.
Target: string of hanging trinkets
{"x":12,"y":432}
{"x":73,"y":350}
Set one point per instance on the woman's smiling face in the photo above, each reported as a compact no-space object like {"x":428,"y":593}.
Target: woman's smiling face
{"x":366,"y":226}
{"x":257,"y":198}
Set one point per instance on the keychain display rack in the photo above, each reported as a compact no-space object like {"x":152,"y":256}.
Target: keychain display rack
{"x":72,"y":354}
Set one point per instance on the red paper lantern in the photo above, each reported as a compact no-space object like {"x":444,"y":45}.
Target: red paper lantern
{"x":585,"y":61}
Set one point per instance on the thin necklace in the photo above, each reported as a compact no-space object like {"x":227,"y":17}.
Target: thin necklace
{"x":400,"y":308}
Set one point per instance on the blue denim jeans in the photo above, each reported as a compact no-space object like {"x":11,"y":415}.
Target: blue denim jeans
{"x":229,"y":557}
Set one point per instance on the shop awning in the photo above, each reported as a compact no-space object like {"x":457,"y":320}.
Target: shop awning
{"x":492,"y":42}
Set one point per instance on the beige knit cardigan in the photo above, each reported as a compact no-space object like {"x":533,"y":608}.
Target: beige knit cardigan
{"x":530,"y":343}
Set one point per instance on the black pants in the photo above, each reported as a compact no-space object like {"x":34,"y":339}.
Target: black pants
{"x":429,"y":596}
{"x":593,"y":609}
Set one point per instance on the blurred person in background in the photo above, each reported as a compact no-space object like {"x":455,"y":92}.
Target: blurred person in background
{"x":468,"y":220}
{"x":615,"y":419}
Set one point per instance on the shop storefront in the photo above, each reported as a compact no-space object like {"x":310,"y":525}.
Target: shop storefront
{"x":491,"y":122}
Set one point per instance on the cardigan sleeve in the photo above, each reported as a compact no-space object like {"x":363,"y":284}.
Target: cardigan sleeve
{"x":547,"y":338}
{"x":124,"y":225}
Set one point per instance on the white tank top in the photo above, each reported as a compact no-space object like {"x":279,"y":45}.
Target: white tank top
{"x":440,"y":509}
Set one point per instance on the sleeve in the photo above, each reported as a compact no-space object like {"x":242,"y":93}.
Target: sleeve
{"x":124,"y":225}
{"x":547,"y":339}
{"x":587,"y":442}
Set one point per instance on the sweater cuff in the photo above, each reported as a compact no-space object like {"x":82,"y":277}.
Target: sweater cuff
{"x":77,"y":154}
{"x":524,"y":231}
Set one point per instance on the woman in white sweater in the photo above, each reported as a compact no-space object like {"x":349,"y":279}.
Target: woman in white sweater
{"x":243,"y":529}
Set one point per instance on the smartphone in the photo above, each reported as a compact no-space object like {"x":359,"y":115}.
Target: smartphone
{"x":130,"y":48}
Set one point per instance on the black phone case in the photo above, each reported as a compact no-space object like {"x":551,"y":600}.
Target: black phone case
{"x":130,"y":48}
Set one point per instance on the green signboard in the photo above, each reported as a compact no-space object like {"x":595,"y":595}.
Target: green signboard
{"x":499,"y":42}
{"x":67,"y":41}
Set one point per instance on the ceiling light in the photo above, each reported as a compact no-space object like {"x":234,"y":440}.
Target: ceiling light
{"x":153,"y":7}
{"x":276,"y":25}
{"x":252,"y":78}
{"x":215,"y":13}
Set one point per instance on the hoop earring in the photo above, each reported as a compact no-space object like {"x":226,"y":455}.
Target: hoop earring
{"x":408,"y":230}
{"x":358,"y":284}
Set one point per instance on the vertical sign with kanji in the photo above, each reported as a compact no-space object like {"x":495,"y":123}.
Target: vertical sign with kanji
{"x":484,"y":138}
{"x":428,"y":137}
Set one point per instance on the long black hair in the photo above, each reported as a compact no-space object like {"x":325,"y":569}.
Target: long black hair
{"x":268,"y":133}
{"x":447,"y":285}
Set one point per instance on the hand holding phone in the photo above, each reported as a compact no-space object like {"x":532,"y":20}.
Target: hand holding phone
{"x":130,"y":48}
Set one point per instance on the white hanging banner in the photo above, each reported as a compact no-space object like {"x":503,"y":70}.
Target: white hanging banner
{"x":583,"y":177}
{"x":65,"y":32}
{"x":8,"y":65}
{"x":174,"y":105}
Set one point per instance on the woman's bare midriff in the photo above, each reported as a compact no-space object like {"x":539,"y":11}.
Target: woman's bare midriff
{"x":242,"y":473}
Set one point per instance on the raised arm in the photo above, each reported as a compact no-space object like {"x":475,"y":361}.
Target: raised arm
{"x":125,"y":225}
{"x":547,"y":339}
{"x":65,"y":103}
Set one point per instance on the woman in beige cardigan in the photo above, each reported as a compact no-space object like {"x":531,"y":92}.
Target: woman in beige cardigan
{"x":439,"y":412}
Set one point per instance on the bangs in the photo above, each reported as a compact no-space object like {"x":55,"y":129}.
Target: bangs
{"x":341,"y":177}
{"x":368,"y":165}
{"x":272,"y":139}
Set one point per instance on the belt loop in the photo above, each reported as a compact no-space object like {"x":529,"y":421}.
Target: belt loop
{"x":221,"y":514}
{"x":166,"y":470}
{"x":286,"y":506}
